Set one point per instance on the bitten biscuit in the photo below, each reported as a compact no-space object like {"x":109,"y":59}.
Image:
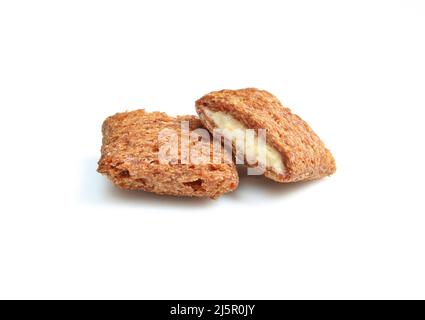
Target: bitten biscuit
{"x":294,"y":151}
{"x":130,"y":157}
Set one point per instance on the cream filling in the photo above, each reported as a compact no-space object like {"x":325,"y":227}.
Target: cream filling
{"x":232,"y":129}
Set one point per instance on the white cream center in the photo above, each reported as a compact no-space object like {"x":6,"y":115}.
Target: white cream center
{"x":230,"y":125}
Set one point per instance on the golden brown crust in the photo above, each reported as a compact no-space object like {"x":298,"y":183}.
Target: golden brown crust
{"x":304,"y":155}
{"x":129,"y":157}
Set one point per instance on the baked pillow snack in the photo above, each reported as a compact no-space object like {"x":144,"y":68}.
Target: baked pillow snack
{"x":294,"y":152}
{"x":131,"y":156}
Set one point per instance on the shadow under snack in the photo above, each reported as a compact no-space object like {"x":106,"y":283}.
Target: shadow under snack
{"x":265,"y":188}
{"x":98,"y":190}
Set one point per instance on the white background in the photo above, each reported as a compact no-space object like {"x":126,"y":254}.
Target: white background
{"x":354,"y":70}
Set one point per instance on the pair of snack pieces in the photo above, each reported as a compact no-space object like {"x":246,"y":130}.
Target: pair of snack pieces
{"x":133,"y":143}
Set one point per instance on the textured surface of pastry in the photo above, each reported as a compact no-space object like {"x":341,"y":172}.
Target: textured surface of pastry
{"x":130,"y":157}
{"x":294,"y":151}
